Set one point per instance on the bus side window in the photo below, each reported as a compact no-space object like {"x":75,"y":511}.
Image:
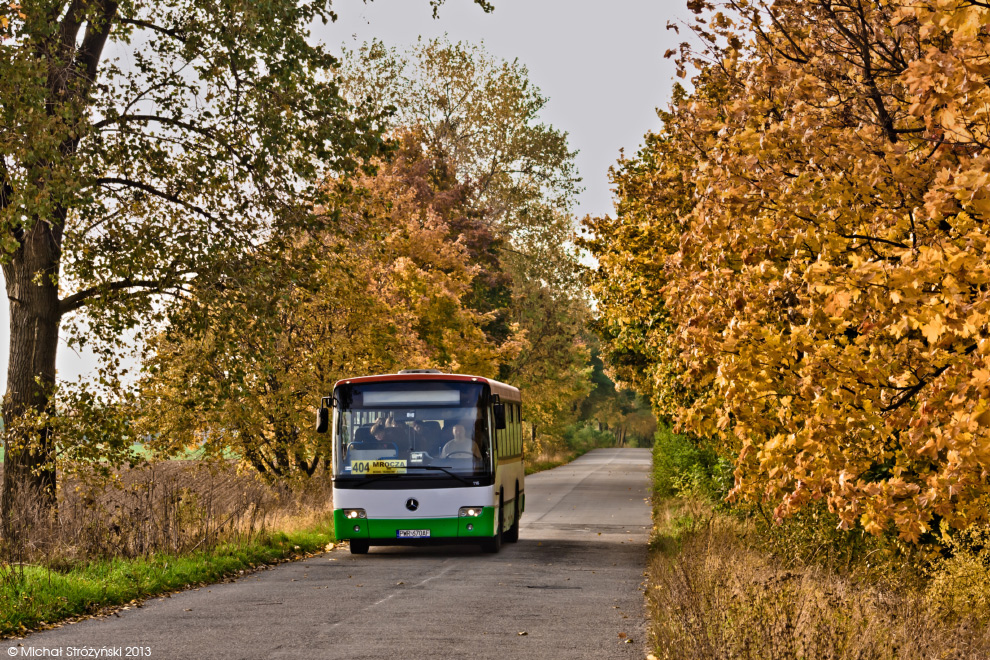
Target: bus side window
{"x":512,"y":429}
{"x":500,"y":441}
{"x":515,"y":422}
{"x":507,"y":449}
{"x":518,"y":429}
{"x":515,"y":428}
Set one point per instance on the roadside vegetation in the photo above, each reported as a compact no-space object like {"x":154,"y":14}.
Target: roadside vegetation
{"x":37,"y":596}
{"x":797,"y":278}
{"x":724,"y":581}
{"x":578,"y":441}
{"x":153,"y":529}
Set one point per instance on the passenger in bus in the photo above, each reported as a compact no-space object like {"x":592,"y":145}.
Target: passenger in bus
{"x":461,"y":444}
{"x":378,"y":429}
{"x":390,"y":436}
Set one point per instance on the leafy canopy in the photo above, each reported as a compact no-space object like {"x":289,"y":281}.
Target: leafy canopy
{"x":798,"y":267}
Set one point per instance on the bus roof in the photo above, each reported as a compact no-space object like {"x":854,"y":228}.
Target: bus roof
{"x":505,"y":392}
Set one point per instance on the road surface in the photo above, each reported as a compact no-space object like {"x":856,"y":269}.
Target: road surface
{"x":570,"y":588}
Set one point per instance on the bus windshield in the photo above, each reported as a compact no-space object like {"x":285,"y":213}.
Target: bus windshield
{"x":411,"y":429}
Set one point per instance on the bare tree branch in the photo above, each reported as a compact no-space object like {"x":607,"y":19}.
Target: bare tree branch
{"x":170,"y":32}
{"x":96,"y":38}
{"x":151,"y":190}
{"x":77,"y":300}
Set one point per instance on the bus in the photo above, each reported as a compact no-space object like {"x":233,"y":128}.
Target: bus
{"x":423,"y":457}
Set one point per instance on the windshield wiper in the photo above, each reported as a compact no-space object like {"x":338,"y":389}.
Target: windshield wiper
{"x":368,"y":480}
{"x":442,"y":469}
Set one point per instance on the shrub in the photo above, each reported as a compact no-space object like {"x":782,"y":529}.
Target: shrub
{"x":583,"y":438}
{"x":960,"y":583}
{"x":685,"y":467}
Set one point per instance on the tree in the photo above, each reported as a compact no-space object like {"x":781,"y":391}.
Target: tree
{"x":478,"y":118}
{"x":621,"y":410}
{"x":823,"y":284}
{"x":123,"y":178}
{"x":380,"y":287}
{"x":633,"y":251}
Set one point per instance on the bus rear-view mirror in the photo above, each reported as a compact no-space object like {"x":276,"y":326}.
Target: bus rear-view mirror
{"x":322,"y":420}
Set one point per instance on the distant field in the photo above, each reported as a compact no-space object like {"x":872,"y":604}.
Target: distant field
{"x":142,"y":451}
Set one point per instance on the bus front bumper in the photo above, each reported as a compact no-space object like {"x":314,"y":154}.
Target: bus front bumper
{"x":397,"y":530}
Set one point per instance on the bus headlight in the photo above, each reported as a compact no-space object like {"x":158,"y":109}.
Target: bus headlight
{"x":352,"y":514}
{"x":469,"y":511}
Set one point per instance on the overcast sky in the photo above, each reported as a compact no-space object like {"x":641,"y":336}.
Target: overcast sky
{"x":600,"y":63}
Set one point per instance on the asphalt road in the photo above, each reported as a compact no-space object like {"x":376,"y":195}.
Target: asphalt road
{"x":570,"y":588}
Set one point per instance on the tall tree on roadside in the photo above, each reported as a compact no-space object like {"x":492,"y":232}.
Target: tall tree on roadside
{"x":633,"y":251}
{"x":142,"y":143}
{"x":823,"y":280}
{"x":479,"y":120}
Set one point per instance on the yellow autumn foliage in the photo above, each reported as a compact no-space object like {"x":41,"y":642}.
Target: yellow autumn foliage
{"x":799,"y":267}
{"x":378,"y":285}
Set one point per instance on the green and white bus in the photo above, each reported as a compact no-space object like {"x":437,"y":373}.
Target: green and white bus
{"x":423,"y":457}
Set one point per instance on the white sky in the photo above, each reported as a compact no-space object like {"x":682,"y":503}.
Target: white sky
{"x":600,"y":63}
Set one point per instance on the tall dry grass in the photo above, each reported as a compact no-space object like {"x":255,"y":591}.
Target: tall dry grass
{"x":716,"y":593}
{"x":171,"y":506}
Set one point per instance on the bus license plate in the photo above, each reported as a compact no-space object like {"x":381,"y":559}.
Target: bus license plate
{"x":412,"y":534}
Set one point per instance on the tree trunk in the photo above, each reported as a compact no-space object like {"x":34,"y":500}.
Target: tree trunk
{"x":32,"y":272}
{"x":29,"y":451}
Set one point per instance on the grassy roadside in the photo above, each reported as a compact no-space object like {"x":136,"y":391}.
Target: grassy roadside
{"x":577,"y":441}
{"x":721,"y":584}
{"x":34,"y":597}
{"x":550,"y":462}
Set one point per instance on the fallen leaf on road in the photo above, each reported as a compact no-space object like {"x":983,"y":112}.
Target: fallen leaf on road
{"x":523,"y":633}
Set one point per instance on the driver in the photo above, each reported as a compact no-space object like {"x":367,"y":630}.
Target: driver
{"x":461,"y":444}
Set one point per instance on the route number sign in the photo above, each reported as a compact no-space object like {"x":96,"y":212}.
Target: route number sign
{"x":380,"y":466}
